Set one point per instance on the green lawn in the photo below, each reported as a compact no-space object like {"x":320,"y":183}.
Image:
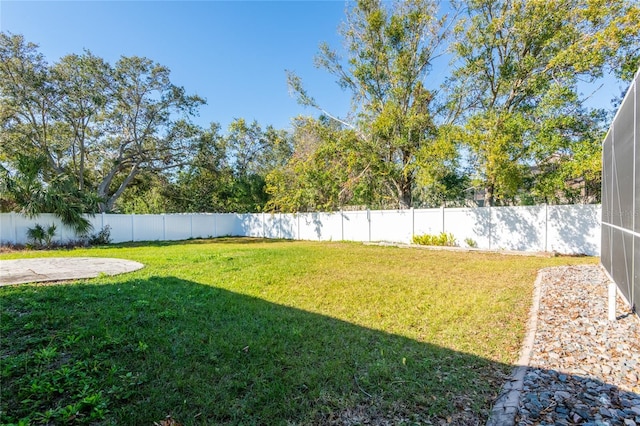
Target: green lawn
{"x":241,"y":331}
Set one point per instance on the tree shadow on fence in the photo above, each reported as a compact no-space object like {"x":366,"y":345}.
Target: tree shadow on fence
{"x":568,"y":229}
{"x":205,"y":355}
{"x":250,"y":225}
{"x":518,"y":229}
{"x":482,"y":223}
{"x":270,"y":225}
{"x":314,"y":222}
{"x":574,"y":226}
{"x":287,"y":226}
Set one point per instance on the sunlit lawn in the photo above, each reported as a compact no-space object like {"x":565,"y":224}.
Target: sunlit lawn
{"x":240,"y":331}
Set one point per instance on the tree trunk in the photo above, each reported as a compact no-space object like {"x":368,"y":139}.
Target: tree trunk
{"x":112,"y":199}
{"x":404,"y":194}
{"x":82,"y":156}
{"x":488,"y":195}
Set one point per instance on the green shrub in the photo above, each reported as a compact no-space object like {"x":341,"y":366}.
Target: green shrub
{"x":40,"y":237}
{"x":471,"y":242}
{"x":443,"y":239}
{"x":102,"y":238}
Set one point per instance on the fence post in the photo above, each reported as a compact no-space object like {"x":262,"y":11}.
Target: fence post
{"x":490,"y":226}
{"x":546,"y":227}
{"x":413,"y":224}
{"x":442,"y":217}
{"x":15,"y":228}
{"x":341,"y":225}
{"x":164,"y":228}
{"x":132,"y":233}
{"x":369,"y":222}
{"x":279,"y":222}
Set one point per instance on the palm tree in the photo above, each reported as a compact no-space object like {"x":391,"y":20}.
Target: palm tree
{"x":24,"y":191}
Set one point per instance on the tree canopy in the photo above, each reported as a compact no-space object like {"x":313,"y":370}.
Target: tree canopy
{"x":390,"y":48}
{"x":510,"y":124}
{"x":94,"y":124}
{"x":516,"y":86}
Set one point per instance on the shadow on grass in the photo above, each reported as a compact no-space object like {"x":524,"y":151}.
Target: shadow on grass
{"x":209,"y":356}
{"x":134,"y":352}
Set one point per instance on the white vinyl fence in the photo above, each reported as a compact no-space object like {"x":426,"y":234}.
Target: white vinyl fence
{"x":570,"y":229}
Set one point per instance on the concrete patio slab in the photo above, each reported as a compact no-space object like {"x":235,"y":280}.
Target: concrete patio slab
{"x":19,"y":271}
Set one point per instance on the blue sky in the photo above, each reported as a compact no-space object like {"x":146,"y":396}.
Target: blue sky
{"x":233,"y":53}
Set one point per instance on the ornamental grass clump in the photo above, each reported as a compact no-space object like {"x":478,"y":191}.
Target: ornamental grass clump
{"x":442,"y":239}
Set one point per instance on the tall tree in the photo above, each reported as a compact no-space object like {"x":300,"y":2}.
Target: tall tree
{"x":28,"y":99}
{"x":141,"y":130}
{"x":390,"y":48}
{"x":97,"y":125}
{"x":228,"y":172}
{"x":440,"y":176}
{"x":33,"y":144}
{"x":516,"y":87}
{"x":83,"y":84}
{"x":251,"y":153}
{"x":329,"y":168}
{"x":203,"y":185}
{"x":254,"y":151}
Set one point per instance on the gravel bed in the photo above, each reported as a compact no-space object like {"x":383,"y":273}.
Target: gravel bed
{"x":584,"y":369}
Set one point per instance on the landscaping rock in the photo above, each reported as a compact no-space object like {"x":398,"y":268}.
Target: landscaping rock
{"x":583,"y":369}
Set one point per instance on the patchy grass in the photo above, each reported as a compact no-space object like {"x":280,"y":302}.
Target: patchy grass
{"x":242,"y":331}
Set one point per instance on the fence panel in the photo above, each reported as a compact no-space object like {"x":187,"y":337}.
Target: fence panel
{"x":147,"y":227}
{"x":356,"y":226}
{"x":518,"y":228}
{"x":622,"y":262}
{"x":621,"y":197}
{"x":279,"y":225}
{"x":289,"y":226}
{"x":96,"y":223}
{"x":392,"y":225}
{"x":574,"y":229}
{"x":428,"y":221}
{"x":320,"y":226}
{"x":177,"y":227}
{"x":203,"y":225}
{"x":7,"y":229}
{"x":310,"y":226}
{"x":248,"y":225}
{"x":229,"y":224}
{"x":469,"y":224}
{"x":635,"y":289}
{"x":63,"y":233}
{"x":121,"y":227}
